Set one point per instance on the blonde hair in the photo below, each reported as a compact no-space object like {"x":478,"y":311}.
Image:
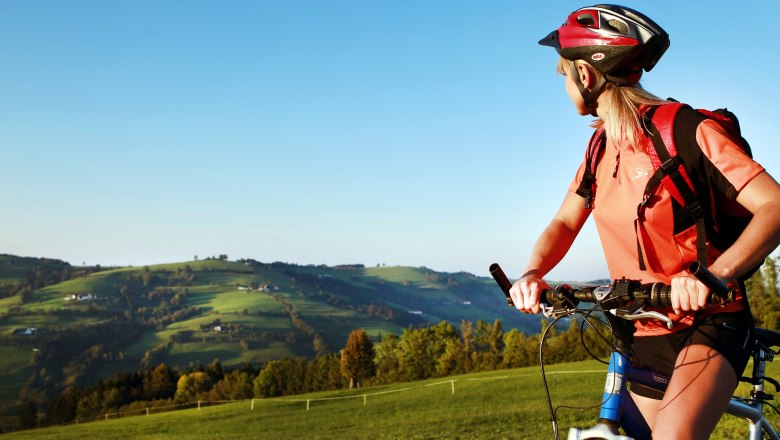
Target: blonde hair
{"x":623,"y":104}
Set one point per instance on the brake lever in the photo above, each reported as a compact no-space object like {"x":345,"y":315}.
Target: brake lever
{"x":641,"y":313}
{"x":555,"y":311}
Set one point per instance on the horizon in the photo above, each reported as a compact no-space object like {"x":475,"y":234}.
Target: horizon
{"x":434,"y":134}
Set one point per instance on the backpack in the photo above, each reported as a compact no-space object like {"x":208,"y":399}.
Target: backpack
{"x":716,"y":217}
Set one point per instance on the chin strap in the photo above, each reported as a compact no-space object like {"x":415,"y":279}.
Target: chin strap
{"x":589,"y":96}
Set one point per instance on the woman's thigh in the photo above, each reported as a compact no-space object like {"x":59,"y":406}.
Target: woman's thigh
{"x":698,"y":394}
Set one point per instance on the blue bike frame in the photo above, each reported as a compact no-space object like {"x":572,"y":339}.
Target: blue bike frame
{"x":619,"y":410}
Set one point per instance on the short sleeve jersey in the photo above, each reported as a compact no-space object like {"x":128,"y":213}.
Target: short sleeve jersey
{"x":621,"y":176}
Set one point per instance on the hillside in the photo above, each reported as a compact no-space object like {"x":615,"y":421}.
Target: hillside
{"x":63,"y":325}
{"x":490,"y":405}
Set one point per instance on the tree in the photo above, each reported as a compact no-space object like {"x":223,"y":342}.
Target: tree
{"x":520,"y":350}
{"x":386,"y":359}
{"x":28,"y":416}
{"x":63,"y":407}
{"x":488,"y":345}
{"x":357,"y":358}
{"x":420,"y":350}
{"x":214,"y":370}
{"x":763,"y":296}
{"x":191,"y":385}
{"x":567,"y":346}
{"x":324,"y":373}
{"x":235,"y":385}
{"x":467,"y":333}
{"x":452,"y":360}
{"x":281,"y":377}
{"x":159,"y":383}
{"x":416,"y":360}
{"x":90,"y":406}
{"x":770,"y":276}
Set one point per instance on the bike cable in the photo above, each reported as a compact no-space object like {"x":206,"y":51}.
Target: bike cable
{"x":585,"y":314}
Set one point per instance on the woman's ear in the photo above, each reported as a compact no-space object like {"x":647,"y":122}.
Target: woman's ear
{"x":586,"y":76}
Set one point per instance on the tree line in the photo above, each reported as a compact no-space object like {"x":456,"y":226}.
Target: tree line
{"x":418,"y":353}
{"x":39,"y":273}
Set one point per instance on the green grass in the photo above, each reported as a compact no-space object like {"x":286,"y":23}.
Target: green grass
{"x":230,"y":299}
{"x":6,"y":303}
{"x":231,"y":355}
{"x":401,"y":274}
{"x":492,"y":405}
{"x":14,"y":368}
{"x":12,"y":322}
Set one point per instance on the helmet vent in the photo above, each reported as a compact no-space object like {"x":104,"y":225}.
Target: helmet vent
{"x":618,"y":26}
{"x":586,"y":20}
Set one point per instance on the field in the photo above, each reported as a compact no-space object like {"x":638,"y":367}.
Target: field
{"x":493,"y":405}
{"x":14,"y":369}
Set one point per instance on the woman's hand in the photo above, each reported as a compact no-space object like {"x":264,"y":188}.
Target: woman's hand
{"x":527,"y":291}
{"x":688,"y":294}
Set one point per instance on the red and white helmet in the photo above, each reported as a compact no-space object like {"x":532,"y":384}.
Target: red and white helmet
{"x":617,"y":41}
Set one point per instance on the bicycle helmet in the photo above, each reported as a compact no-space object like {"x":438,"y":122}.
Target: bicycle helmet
{"x":617,"y":41}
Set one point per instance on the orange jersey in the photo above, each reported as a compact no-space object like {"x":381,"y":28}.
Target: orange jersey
{"x":621,"y":177}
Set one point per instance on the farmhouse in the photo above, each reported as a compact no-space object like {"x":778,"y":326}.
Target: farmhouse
{"x":260,"y":288}
{"x":29,"y":331}
{"x":81,"y":297}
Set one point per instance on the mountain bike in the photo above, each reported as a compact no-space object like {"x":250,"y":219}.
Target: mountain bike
{"x":620,"y":303}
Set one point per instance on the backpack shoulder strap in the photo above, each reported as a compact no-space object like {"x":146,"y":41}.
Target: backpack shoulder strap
{"x":670,"y":169}
{"x":587,"y":188}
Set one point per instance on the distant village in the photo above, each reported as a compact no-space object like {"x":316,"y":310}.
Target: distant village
{"x":75,"y":297}
{"x":260,"y":288}
{"x":82,"y":297}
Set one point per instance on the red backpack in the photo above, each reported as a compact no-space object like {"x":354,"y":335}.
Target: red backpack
{"x":716,"y":217}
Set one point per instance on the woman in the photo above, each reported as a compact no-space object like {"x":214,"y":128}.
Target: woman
{"x":603,"y":51}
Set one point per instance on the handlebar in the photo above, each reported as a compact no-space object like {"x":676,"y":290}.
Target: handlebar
{"x":623,"y":291}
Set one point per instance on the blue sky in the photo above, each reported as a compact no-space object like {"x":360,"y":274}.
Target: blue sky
{"x":420,"y":133}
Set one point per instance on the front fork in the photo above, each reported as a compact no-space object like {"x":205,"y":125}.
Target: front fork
{"x":617,"y":408}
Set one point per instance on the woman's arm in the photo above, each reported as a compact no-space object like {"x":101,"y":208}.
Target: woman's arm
{"x":761,"y":196}
{"x":548,"y":251}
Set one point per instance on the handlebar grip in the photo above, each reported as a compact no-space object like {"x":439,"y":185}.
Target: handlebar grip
{"x":660,"y":295}
{"x":503,"y":282}
{"x":722,"y":293}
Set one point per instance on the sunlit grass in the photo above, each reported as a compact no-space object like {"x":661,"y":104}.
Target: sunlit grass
{"x":508,"y":404}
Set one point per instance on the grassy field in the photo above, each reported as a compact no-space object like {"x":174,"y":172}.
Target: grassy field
{"x":14,"y":368}
{"x":493,"y":405}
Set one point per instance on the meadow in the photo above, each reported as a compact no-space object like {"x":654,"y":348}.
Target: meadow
{"x":508,"y":404}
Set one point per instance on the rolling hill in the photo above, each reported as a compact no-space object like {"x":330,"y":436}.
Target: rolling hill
{"x":61,"y":324}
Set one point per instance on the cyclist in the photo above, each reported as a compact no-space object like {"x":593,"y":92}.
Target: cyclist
{"x":603,"y":52}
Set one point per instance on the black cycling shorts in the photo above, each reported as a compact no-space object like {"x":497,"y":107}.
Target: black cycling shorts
{"x":730,"y":334}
